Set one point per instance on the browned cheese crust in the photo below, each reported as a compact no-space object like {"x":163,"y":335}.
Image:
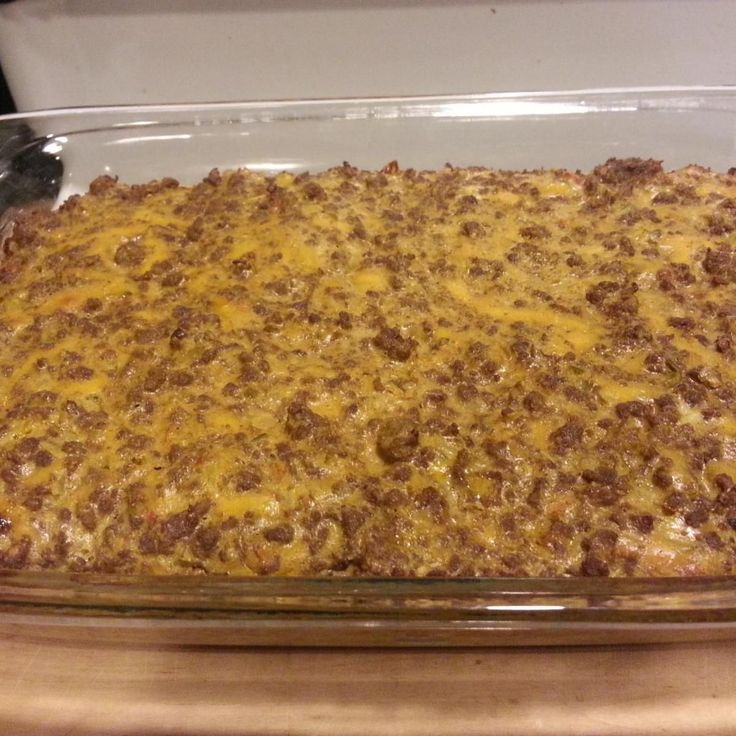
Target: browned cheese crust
{"x":453,"y":372}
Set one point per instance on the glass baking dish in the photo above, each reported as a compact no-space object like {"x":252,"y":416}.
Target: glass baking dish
{"x":46,"y":156}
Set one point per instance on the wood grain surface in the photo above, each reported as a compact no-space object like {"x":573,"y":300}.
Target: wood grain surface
{"x":75,"y":685}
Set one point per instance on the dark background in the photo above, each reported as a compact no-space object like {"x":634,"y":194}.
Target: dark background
{"x":6,"y":101}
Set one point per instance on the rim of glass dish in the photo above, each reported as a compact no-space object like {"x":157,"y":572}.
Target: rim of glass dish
{"x":643,"y":600}
{"x":400,"y":99}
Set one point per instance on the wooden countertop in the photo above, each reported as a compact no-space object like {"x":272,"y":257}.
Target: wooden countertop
{"x":78,"y":686}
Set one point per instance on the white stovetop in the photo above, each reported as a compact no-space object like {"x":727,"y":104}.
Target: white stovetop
{"x":70,"y":52}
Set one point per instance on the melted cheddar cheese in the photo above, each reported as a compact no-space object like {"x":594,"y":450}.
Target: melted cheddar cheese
{"x":454,"y":372}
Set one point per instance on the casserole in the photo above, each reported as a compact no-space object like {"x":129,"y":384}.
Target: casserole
{"x":58,"y":153}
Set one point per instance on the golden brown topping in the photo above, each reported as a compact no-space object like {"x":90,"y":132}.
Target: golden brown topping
{"x":396,"y":372}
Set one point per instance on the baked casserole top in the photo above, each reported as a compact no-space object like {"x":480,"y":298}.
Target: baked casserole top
{"x":454,"y":372}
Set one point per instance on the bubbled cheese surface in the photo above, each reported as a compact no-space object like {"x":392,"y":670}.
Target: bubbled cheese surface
{"x":453,"y":372}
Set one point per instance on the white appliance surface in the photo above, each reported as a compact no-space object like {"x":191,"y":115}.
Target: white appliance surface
{"x":81,"y":52}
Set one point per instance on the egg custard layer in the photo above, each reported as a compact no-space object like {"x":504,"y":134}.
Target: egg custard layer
{"x":462,"y":372}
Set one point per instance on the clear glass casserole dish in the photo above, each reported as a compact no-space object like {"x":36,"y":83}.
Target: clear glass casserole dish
{"x":47,"y":156}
